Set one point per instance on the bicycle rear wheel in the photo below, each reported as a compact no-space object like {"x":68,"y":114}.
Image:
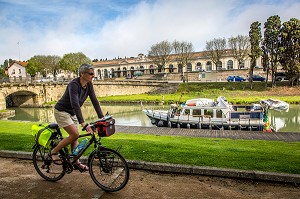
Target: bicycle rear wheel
{"x":108,"y":169}
{"x":44,"y":166}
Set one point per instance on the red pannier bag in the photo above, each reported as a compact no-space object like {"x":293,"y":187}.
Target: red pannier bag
{"x":106,"y":128}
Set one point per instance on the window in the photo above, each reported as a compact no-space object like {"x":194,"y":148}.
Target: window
{"x":99,"y":74}
{"x":132,"y":70}
{"x":171,"y":68}
{"x":199,"y":66}
{"x":189,"y":67}
{"x":180,"y":68}
{"x":20,"y":71}
{"x":124,"y":72}
{"x":142,"y":69}
{"x":208,"y":66}
{"x":151,"y":69}
{"x":219,"y":65}
{"x":105,"y":73}
{"x":112,"y":73}
{"x":230,"y":65}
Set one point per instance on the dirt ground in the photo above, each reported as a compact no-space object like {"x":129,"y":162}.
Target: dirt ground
{"x":18,"y":179}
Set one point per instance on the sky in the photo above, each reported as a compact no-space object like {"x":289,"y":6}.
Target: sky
{"x":124,"y":28}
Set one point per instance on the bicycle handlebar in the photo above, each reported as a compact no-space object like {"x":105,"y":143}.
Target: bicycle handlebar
{"x":92,"y":124}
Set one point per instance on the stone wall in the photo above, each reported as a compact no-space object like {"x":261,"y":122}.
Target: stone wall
{"x":37,"y":94}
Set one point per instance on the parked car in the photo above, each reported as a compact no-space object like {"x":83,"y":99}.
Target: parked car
{"x":280,"y":76}
{"x":257,"y":78}
{"x":235,"y":79}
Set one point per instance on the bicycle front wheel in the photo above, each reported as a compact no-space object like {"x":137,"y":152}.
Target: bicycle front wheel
{"x":108,"y":169}
{"x":45,"y":167}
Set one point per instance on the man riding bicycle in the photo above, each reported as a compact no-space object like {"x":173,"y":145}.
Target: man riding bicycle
{"x":67,"y":110}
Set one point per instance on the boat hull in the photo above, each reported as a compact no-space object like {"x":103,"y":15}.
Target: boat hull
{"x":246,"y":125}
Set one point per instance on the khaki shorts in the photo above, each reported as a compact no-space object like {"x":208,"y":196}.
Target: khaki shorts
{"x":64,"y":119}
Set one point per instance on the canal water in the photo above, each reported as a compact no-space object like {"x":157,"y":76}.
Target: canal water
{"x":132,"y":115}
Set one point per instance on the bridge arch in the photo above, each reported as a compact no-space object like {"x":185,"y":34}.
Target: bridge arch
{"x":20,"y":98}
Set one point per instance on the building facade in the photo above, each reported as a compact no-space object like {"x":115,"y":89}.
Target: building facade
{"x":135,"y":66}
{"x":16,"y":71}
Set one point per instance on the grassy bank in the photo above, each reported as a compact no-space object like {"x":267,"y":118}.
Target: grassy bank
{"x":272,"y":156}
{"x":235,"y":92}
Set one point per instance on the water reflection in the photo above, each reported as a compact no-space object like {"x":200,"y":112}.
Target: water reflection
{"x":286,"y":121}
{"x":132,"y":115}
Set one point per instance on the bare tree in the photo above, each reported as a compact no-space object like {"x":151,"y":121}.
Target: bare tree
{"x":240,"y":46}
{"x":215,"y":49}
{"x":183,"y":52}
{"x":160,"y":54}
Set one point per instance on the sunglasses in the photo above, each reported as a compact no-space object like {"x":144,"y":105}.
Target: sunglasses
{"x":91,"y":74}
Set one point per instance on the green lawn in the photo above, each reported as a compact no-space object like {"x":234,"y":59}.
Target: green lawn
{"x":272,"y":156}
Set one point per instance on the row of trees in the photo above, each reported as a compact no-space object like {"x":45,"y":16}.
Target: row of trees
{"x":53,"y":64}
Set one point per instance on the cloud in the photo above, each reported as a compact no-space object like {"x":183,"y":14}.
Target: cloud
{"x":108,"y":29}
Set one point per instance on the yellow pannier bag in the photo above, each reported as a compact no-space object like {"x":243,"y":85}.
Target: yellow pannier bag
{"x":42,"y":134}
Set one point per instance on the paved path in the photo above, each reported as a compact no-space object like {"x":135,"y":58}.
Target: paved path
{"x":247,"y":135}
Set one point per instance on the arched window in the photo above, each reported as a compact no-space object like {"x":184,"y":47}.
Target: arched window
{"x":219,"y":65}
{"x":99,"y":74}
{"x":229,"y":65}
{"x":142,"y":69}
{"x":132,"y":70}
{"x":180,"y":69}
{"x":151,"y":69}
{"x":199,"y":66}
{"x":105,"y":73}
{"x":208,"y":66}
{"x":112,"y":73}
{"x":124,"y":72}
{"x":118,"y":72}
{"x":189,"y":67}
{"x":171,"y":68}
{"x":242,"y":65}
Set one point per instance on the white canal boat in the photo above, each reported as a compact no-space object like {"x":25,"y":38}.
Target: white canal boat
{"x":204,"y":113}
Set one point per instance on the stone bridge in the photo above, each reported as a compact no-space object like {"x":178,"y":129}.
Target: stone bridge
{"x":36,"y":94}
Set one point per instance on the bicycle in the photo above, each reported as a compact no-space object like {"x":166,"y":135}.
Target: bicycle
{"x":107,"y":167}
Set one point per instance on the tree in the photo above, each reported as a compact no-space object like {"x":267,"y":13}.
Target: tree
{"x":53,"y":64}
{"x":290,"y":49}
{"x":72,"y":61}
{"x":43,"y":64}
{"x":35,"y":65}
{"x":160,"y":54}
{"x":215,"y":49}
{"x":255,"y":52}
{"x":271,"y":43}
{"x":183,"y":52}
{"x":240,"y":46}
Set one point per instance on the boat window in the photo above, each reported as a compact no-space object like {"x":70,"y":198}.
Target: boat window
{"x":197,"y":112}
{"x":219,"y":113}
{"x":208,"y":112}
{"x":186,"y":112}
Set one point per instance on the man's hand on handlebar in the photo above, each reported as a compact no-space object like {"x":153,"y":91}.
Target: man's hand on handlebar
{"x":88,"y":129}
